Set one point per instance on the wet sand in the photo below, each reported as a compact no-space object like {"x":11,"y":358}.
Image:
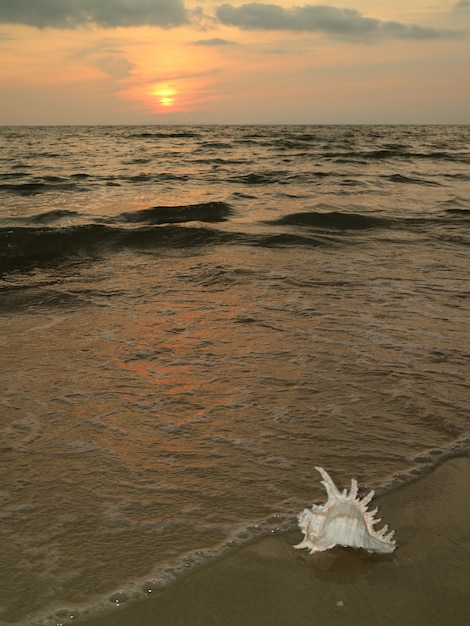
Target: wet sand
{"x":425,"y":582}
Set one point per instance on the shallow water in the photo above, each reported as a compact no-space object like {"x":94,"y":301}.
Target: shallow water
{"x":193,"y":318}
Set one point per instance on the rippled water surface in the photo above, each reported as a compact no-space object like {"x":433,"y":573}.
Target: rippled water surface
{"x":192,"y":318}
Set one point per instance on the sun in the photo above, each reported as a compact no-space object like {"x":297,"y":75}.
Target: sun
{"x":165,"y":94}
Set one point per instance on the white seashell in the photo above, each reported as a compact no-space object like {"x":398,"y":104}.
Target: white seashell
{"x":343,"y":520}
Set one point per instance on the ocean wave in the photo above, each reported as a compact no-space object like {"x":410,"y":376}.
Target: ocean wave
{"x":34,"y":188}
{"x":400,"y":153}
{"x":291,"y":240}
{"x":459,"y":212}
{"x":16,"y":299}
{"x":399,"y":178}
{"x":145,"y":177}
{"x":21,"y":186}
{"x":50,"y":236}
{"x":26,"y":247}
{"x":333,"y":220}
{"x":259,"y":178}
{"x":203,"y":212}
{"x":52,"y":216}
{"x":23,"y":247}
{"x":183,"y":134}
{"x":214,"y":145}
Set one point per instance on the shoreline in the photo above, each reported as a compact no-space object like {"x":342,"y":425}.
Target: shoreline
{"x":269,"y":583}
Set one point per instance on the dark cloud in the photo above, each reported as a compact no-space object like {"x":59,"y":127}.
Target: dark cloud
{"x":104,"y":13}
{"x":216,"y":41}
{"x":463,"y":4}
{"x":347,"y":23}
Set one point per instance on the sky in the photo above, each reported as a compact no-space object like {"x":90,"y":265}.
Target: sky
{"x":234,"y":62}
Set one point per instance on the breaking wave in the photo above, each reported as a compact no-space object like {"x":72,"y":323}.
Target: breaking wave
{"x":47,"y":237}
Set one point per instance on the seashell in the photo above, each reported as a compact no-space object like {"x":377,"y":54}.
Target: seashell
{"x":343,"y":520}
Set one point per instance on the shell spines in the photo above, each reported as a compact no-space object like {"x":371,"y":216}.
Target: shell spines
{"x":343,"y":520}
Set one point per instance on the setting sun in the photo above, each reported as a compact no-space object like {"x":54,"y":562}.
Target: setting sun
{"x":166,"y":95}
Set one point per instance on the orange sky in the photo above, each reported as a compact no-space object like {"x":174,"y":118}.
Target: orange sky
{"x":176,"y":61}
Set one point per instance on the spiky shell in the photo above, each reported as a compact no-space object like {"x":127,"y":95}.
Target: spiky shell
{"x":343,"y":520}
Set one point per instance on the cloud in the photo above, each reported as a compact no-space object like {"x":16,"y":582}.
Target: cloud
{"x":106,"y":55}
{"x":115,"y":66}
{"x":279,"y":51}
{"x":216,"y":41}
{"x":321,"y":18}
{"x":463,"y":4}
{"x":69,"y":14}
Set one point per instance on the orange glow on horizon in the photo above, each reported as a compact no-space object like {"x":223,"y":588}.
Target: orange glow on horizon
{"x":176,"y":96}
{"x":168,"y":77}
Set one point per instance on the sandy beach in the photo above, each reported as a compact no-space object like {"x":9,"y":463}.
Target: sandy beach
{"x":268,"y":583}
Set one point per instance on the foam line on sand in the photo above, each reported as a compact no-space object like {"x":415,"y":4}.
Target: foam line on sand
{"x":268,"y":583}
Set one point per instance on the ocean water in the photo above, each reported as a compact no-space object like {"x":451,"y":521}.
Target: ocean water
{"x":193,"y":318}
